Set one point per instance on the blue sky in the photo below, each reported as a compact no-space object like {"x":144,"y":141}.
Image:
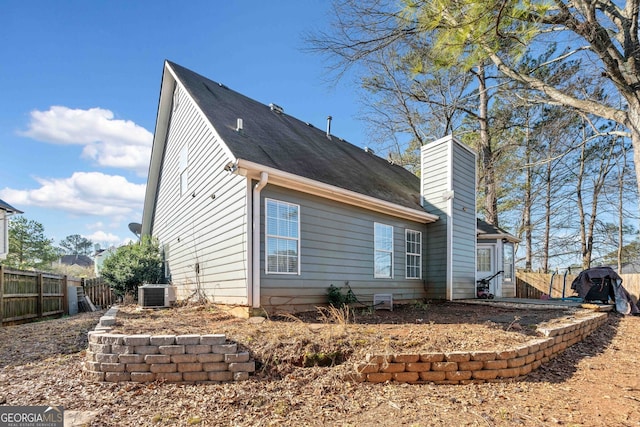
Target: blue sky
{"x":81,"y":86}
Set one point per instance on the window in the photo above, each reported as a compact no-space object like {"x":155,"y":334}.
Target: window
{"x":484,"y":260}
{"x":184,"y":178}
{"x":414,"y":254}
{"x":383,"y":257}
{"x":283,"y":241}
{"x":507,"y":261}
{"x":176,"y":99}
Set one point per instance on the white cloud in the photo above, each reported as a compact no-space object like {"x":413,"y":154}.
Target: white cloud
{"x":107,"y":141}
{"x":95,"y":226}
{"x":104,"y":238}
{"x":84,"y":193}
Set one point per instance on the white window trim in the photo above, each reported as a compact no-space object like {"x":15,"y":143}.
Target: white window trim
{"x":492,"y":253}
{"x":375,"y":250}
{"x":418,"y":254}
{"x":513,"y":267}
{"x":267,"y":235}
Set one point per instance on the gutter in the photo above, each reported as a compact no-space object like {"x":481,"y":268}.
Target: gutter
{"x":255,"y":259}
{"x":306,"y":185}
{"x":508,"y":237}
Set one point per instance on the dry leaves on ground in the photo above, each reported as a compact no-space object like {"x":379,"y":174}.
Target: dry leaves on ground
{"x":592,"y":384}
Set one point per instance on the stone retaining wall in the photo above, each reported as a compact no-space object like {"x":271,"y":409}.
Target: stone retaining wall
{"x":211,"y":358}
{"x":463,"y":367}
{"x":172,"y":358}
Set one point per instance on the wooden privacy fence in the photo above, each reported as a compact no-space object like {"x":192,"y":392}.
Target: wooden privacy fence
{"x":99,"y":292}
{"x":533,"y":285}
{"x":30,"y":295}
{"x":27,"y":295}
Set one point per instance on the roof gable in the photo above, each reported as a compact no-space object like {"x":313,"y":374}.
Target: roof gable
{"x":8,"y":208}
{"x":488,"y":231}
{"x":280,"y":141}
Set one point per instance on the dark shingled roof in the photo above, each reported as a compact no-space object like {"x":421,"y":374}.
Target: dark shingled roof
{"x":283,"y":142}
{"x":486,"y":228}
{"x":80,"y":260}
{"x":7,"y":207}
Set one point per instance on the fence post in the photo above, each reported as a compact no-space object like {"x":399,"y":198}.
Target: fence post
{"x":40,"y":295}
{"x":65,"y":299}
{"x":1,"y":294}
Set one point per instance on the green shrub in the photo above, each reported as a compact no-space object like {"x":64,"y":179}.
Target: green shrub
{"x":133,"y":265}
{"x":339,"y":299}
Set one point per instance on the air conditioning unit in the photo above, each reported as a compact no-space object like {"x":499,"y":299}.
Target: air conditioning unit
{"x":156,"y":295}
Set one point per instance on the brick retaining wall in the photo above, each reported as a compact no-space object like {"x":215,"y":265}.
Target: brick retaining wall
{"x":171,"y":358}
{"x":464,"y":367}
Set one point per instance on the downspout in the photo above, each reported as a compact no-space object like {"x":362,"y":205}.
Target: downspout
{"x":255,"y":261}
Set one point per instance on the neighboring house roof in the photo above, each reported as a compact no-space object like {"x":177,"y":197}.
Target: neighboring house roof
{"x":282,"y":142}
{"x":8,"y":208}
{"x":491,"y":232}
{"x":631,"y":267}
{"x":80,"y":260}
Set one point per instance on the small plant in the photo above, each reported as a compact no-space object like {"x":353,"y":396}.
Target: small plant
{"x":339,"y":299}
{"x":421,"y":305}
{"x":367,"y":311}
{"x":336,"y":315}
{"x":322,"y":359}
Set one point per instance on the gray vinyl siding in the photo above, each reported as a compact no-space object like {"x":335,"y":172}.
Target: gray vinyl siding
{"x":206,"y":228}
{"x":435,"y":181}
{"x":463,"y":249}
{"x":336,"y":246}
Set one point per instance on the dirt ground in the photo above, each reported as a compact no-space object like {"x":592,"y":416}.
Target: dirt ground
{"x":593,"y":383}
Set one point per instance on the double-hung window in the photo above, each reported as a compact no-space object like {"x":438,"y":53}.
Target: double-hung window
{"x":283,"y":237}
{"x":414,"y":254}
{"x":383,"y":256}
{"x":484,"y":263}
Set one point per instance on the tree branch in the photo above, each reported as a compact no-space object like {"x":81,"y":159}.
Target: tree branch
{"x":586,"y":106}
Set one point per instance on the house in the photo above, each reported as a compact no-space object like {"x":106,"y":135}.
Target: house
{"x":100,"y":256}
{"x":83,"y":261}
{"x":495,"y":252}
{"x":6,"y":210}
{"x":257,"y":209}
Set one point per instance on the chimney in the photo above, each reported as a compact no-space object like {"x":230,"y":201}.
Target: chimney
{"x":329,"y":127}
{"x":239,"y":126}
{"x":448,"y":189}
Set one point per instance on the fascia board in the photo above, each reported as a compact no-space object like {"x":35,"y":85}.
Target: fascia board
{"x":306,"y":185}
{"x":509,"y":237}
{"x":157,"y":149}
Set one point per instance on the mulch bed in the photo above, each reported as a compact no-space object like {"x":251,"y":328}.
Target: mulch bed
{"x":590,"y":384}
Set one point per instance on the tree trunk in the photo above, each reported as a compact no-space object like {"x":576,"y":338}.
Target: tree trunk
{"x":527,"y":203}
{"x":488,"y":164}
{"x":633,"y":124}
{"x":547,"y":220}
{"x":622,"y":172}
{"x":583,"y":225}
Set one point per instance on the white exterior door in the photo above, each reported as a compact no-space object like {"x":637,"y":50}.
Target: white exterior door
{"x":486,"y":266}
